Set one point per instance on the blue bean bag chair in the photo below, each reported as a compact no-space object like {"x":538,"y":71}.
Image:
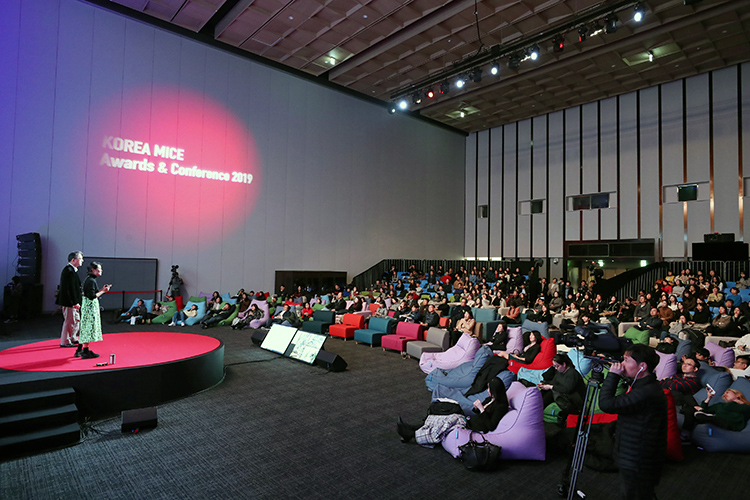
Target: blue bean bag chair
{"x":712,"y":438}
{"x":461,"y":376}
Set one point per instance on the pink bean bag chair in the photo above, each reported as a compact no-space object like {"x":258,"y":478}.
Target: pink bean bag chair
{"x":463,"y":351}
{"x":520,"y":432}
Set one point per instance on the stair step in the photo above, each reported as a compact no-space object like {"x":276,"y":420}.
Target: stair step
{"x":44,"y":439}
{"x":34,"y":400}
{"x":37,"y":419}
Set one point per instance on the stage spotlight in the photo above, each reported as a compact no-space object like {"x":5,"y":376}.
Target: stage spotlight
{"x":610,"y":23}
{"x":534,"y":52}
{"x":495,"y":68}
{"x":583,"y":32}
{"x":430,"y":94}
{"x":460,"y":82}
{"x":402,"y":104}
{"x":558,"y":43}
{"x":444,"y":88}
{"x":514,"y":61}
{"x":476,"y":75}
{"x":637,"y":13}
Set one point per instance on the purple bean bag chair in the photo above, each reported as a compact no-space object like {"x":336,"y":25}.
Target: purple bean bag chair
{"x":667,"y":366}
{"x":520,"y":432}
{"x":463,"y":351}
{"x":722,"y":356}
{"x":263,"y":306}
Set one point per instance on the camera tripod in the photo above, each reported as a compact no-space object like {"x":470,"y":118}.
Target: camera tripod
{"x":584,"y":428}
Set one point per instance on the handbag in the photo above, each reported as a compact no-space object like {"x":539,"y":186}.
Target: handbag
{"x":477,"y":457}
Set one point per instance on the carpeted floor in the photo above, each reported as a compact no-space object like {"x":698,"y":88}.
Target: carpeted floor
{"x":276,"y":428}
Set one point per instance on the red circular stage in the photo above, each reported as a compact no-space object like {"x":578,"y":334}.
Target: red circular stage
{"x":131,"y":350}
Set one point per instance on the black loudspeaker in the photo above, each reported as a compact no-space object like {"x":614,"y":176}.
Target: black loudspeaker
{"x":718,"y":238}
{"x":29,"y":266}
{"x":136,"y":420}
{"x":720,"y":251}
{"x":332,"y":362}
{"x":258,"y":336}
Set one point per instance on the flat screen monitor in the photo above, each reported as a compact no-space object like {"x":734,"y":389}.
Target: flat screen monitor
{"x":305,"y":346}
{"x":278,"y":338}
{"x":687,"y":192}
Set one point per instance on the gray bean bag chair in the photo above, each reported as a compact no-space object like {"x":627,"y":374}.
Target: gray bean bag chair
{"x":460,"y":376}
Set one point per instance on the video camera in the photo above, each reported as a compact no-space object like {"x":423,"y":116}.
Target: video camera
{"x":599,"y":342}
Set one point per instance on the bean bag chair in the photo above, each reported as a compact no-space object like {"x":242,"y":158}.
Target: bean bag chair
{"x":722,"y":356}
{"x":463,"y":351}
{"x":636,"y":335}
{"x":263,"y":306}
{"x":667,"y":366}
{"x":467,"y":403}
{"x":149,"y":303}
{"x":515,"y":340}
{"x":720,"y":381}
{"x":376,"y":329}
{"x":201,"y":303}
{"x":167,"y":316}
{"x":520,"y":432}
{"x":542,"y":361}
{"x":712,"y":438}
{"x":674,"y":442}
{"x":461,"y":376}
{"x":541,"y":327}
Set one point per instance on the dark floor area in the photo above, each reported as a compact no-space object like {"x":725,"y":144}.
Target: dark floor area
{"x":277,"y":428}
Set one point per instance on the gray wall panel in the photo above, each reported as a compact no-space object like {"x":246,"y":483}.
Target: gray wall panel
{"x":539,"y":186}
{"x":725,"y":147}
{"x":572,"y":171}
{"x":628,"y":195}
{"x":649,"y":167}
{"x":608,"y":171}
{"x":524,"y":187}
{"x":556,"y":179}
{"x":672,"y":166}
{"x":509,"y":192}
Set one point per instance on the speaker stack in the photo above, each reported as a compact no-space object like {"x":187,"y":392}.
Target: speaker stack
{"x":720,"y":246}
{"x":23,"y":297}
{"x":29,"y":267}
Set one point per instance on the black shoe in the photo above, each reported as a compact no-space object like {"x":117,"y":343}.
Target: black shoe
{"x":89,"y":355}
{"x":404,"y":431}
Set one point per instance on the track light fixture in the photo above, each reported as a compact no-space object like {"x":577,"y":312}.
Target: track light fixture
{"x":558,"y":43}
{"x":610,"y":23}
{"x":534,"y":52}
{"x":514,"y":61}
{"x":637,"y":13}
{"x":583,"y":32}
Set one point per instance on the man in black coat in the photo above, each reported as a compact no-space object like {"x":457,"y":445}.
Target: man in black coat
{"x":641,"y":436}
{"x":69,"y":296}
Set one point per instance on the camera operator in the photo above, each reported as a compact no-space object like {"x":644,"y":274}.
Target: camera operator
{"x":641,"y":436}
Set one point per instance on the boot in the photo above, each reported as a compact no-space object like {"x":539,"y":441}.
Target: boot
{"x":405,"y":431}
